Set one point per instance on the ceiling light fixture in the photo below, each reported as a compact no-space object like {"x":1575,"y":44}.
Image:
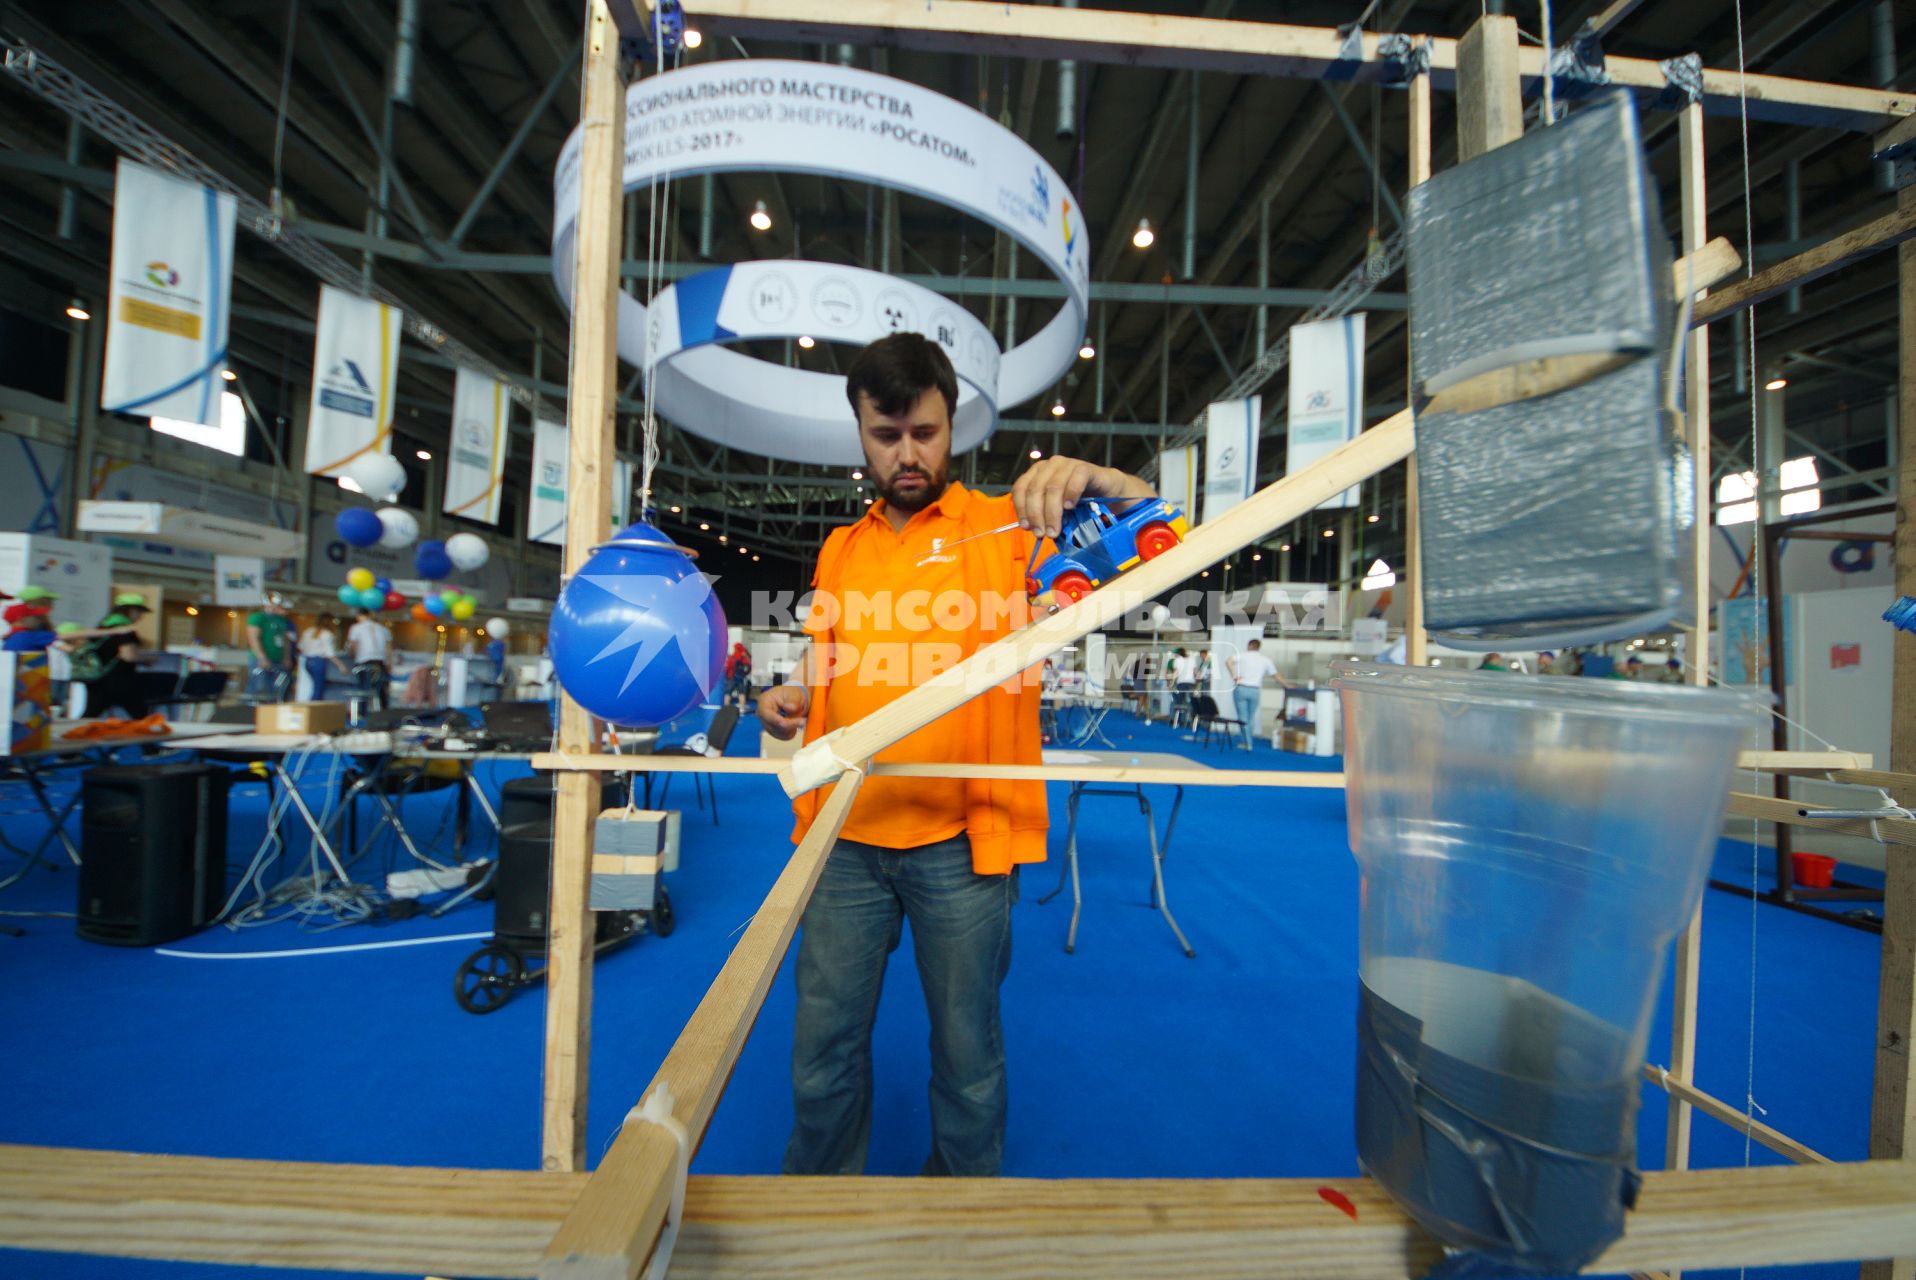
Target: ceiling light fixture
{"x":1777,"y":383}
{"x":805,"y":341}
{"x":1371,"y":519}
{"x":704,"y":527}
{"x":761,"y":218}
{"x":1330,"y":533}
{"x":424,"y":455}
{"x":1143,"y":237}
{"x":675,"y":510}
{"x":692,"y":38}
{"x":1057,"y":408}
{"x":76,"y":310}
{"x":1257,"y":555}
{"x":1087,"y":351}
{"x":858,"y":475}
{"x":1285,"y":547}
{"x":1037,"y":453}
{"x":229,"y":375}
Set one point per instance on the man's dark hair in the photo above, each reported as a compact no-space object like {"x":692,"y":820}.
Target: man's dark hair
{"x":1256,"y":644}
{"x":895,"y":371}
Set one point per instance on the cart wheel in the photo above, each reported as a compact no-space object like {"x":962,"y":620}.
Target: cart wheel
{"x":488,"y":978}
{"x":1155,"y":539}
{"x":1071,"y":586}
{"x":663,"y":921}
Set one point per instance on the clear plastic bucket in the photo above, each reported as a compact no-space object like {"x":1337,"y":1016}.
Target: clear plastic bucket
{"x":1530,"y":846}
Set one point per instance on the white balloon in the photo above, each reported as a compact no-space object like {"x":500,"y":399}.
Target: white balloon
{"x":379,"y":476}
{"x":1159,"y":613}
{"x":467,"y":551}
{"x":398,"y":527}
{"x":498,"y":627}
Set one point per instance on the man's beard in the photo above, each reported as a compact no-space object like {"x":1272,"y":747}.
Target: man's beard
{"x":923,"y":496}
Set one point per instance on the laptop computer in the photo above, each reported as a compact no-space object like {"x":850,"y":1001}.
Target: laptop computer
{"x":517,"y":726}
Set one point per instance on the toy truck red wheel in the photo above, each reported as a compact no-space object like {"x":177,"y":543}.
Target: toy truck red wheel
{"x":1071,"y":586}
{"x":1155,"y":539}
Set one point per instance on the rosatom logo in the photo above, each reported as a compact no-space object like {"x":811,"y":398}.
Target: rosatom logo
{"x":347,"y":371}
{"x":162,"y":276}
{"x":1317,"y":400}
{"x":1070,"y":232}
{"x":347,"y":390}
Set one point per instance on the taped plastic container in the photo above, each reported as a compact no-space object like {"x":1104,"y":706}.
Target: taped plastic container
{"x":1530,"y":848}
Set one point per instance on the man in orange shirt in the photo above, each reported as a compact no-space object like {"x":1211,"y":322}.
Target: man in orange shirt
{"x":914,"y":587}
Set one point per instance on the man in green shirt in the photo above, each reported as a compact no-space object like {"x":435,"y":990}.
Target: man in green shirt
{"x":267,"y":632}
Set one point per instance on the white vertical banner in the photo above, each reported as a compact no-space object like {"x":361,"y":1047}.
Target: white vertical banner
{"x":480,"y":409}
{"x":545,"y":509}
{"x":622,"y":495}
{"x":1178,"y":479}
{"x":169,"y":296}
{"x":355,"y":368}
{"x":1094,"y":660}
{"x":1327,"y":393}
{"x":1230,"y":453}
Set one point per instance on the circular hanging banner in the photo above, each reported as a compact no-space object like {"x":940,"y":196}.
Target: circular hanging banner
{"x":806,"y":117}
{"x":780,"y":299}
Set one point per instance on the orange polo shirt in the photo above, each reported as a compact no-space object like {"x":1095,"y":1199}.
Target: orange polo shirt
{"x":900,"y":594}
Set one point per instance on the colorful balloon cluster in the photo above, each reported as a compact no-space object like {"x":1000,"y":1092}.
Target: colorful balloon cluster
{"x":366,"y":590}
{"x":452,"y":604}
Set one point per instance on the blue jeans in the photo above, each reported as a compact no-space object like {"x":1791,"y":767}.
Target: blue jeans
{"x":1247,"y":697}
{"x":316,"y":669}
{"x":961,"y":935}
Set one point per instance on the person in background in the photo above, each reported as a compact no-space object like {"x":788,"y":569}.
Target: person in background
{"x":1493,"y":662}
{"x":1249,"y":670}
{"x":1672,"y":672}
{"x":738,"y":674}
{"x":108,"y":663}
{"x":370,"y":643}
{"x":1183,"y":684}
{"x":1632,"y":668}
{"x":32,"y":629}
{"x":1547,"y":663}
{"x":319,"y":653}
{"x":267,"y":630}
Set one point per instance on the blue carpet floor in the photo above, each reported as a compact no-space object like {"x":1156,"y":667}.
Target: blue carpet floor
{"x":1127,"y":1058}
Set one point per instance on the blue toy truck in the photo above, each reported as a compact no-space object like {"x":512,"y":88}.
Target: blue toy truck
{"x":1097,"y":544}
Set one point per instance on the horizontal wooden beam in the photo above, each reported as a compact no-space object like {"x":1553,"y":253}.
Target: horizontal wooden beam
{"x":493,"y":1223}
{"x":1803,"y":761}
{"x":1892,"y":831}
{"x":1246,"y":48}
{"x":1196,"y":775}
{"x":1717,"y":1109}
{"x":1832,"y":255}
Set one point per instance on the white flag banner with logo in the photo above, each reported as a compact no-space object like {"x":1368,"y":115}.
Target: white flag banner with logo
{"x":1327,"y":393}
{"x":170,"y":291}
{"x":1230,"y":453}
{"x":1178,"y":479}
{"x":480,"y":409}
{"x":238,"y":580}
{"x":355,"y":368}
{"x":545,"y":511}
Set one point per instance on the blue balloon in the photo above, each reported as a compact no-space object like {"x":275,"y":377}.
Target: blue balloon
{"x":435,"y":606}
{"x":349,"y":595}
{"x":637,"y":637}
{"x":372,"y":598}
{"x":430,"y":560}
{"x":358,"y":526}
{"x":382,"y":585}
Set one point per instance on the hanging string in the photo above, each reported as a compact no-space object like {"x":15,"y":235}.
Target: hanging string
{"x":657,"y":239}
{"x":1549,"y":80}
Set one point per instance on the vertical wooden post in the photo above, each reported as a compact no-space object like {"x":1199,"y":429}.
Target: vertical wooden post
{"x":1489,"y":92}
{"x":591,"y":396}
{"x":1693,"y":195}
{"x":1892,"y":1120}
{"x":1415,"y":641}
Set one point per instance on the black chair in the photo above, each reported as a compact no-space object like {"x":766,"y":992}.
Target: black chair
{"x":396,"y":780}
{"x":1205,"y":708}
{"x":716,"y":738}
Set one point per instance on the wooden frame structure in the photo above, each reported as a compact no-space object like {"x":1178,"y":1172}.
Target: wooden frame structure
{"x":561,"y":1223}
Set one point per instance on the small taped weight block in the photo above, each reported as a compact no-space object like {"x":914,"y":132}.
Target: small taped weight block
{"x":628,"y":854}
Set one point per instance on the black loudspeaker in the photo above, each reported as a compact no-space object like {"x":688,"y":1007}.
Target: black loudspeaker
{"x":153,"y":851}
{"x":522,"y":887}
